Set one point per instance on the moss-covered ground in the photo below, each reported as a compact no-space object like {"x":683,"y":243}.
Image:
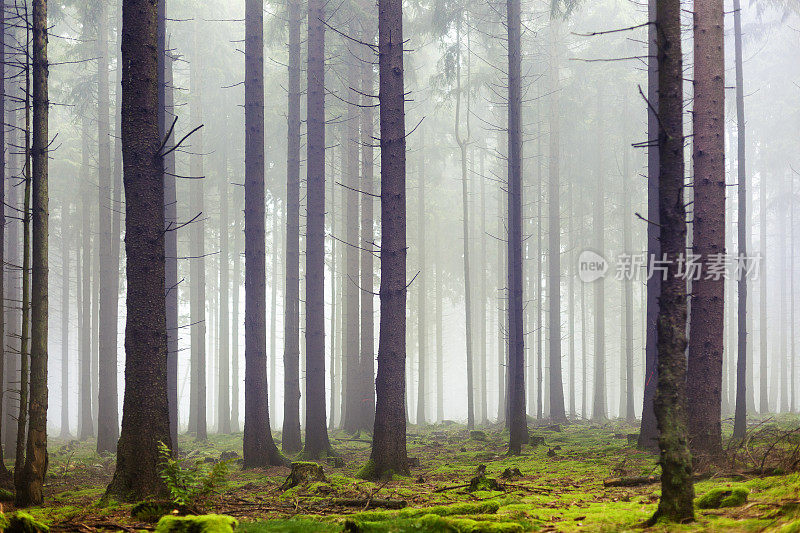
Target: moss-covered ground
{"x":561,"y":487}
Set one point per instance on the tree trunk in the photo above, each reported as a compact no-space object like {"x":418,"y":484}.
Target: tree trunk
{"x":763,"y":404}
{"x":627,"y":248}
{"x":518,"y":424}
{"x":290,"y":437}
{"x":554,"y":233}
{"x":5,"y":475}
{"x":351,"y":347}
{"x":237,"y":282}
{"x":317,"y":443}
{"x":145,"y":413}
{"x":224,"y":397}
{"x":502,"y":316}
{"x":439,"y":340}
{"x":462,"y":144}
{"x":273,"y":315}
{"x":389,"y":437}
{"x":167,"y":115}
{"x":422,"y":295}
{"x":258,"y":446}
{"x":197,"y":266}
{"x":30,"y":491}
{"x":13,"y":330}
{"x":367,"y":230}
{"x":107,"y":416}
{"x":648,"y":432}
{"x":86,"y":426}
{"x":65,"y":327}
{"x":599,"y":400}
{"x":677,"y":489}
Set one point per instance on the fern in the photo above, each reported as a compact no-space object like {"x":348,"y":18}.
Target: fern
{"x":190,"y":483}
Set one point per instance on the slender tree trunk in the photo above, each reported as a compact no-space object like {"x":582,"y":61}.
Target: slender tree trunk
{"x":5,"y":475}
{"x":65,"y":327}
{"x":145,"y":414}
{"x":677,"y":489}
{"x":539,"y":277}
{"x":30,"y":491}
{"x":571,"y":298}
{"x":224,"y":398}
{"x":367,"y":228}
{"x":290,"y":437}
{"x":554,"y":233}
{"x":627,"y":247}
{"x":422,"y":295}
{"x":648,"y":433}
{"x":599,"y":399}
{"x":273,"y":315}
{"x":335,"y":315}
{"x":107,"y":416}
{"x":317,"y":443}
{"x":439,"y":341}
{"x":502,"y":330}
{"x":389,"y":454}
{"x":258,"y":446}
{"x":518,"y":424}
{"x":197,"y":267}
{"x":350,"y":316}
{"x":167,"y":116}
{"x":237,"y":282}
{"x":117,"y":207}
{"x":86,"y":426}
{"x":483,"y":410}
{"x":13,"y":331}
{"x":763,"y":405}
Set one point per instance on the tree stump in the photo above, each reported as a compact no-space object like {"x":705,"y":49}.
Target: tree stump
{"x":304,"y":472}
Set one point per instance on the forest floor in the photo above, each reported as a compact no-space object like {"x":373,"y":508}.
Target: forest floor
{"x":560,"y":486}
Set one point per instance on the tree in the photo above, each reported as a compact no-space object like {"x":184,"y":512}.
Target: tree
{"x":389,"y":454}
{"x":518,"y":423}
{"x":677,"y":489}
{"x":740,"y":418}
{"x":317,"y":443}
{"x":5,"y":475}
{"x":258,"y":447}
{"x":107,"y":415}
{"x":554,"y":234}
{"x":30,"y":490}
{"x":599,"y":412}
{"x":422,"y":295}
{"x":648,"y":432}
{"x":145,"y":411}
{"x":704,"y":374}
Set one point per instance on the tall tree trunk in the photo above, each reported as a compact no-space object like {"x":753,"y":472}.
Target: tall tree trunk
{"x":648,"y":432}
{"x":145,"y":413}
{"x":258,"y":446}
{"x":627,"y":247}
{"x":5,"y":475}
{"x":463,"y":143}
{"x":571,"y":298}
{"x":290,"y":437}
{"x":273,"y":315}
{"x":13,"y":330}
{"x":439,"y":341}
{"x":389,"y":437}
{"x":367,"y":226}
{"x":197,"y":267}
{"x":351,"y":347}
{"x":483,"y":408}
{"x":30,"y":491}
{"x":554,"y":233}
{"x":539,"y":277}
{"x":422,"y":295}
{"x":317,"y":442}
{"x":238,"y":234}
{"x":704,"y":373}
{"x":86,"y":426}
{"x":599,"y":399}
{"x":763,"y":404}
{"x":518,"y":424}
{"x":107,"y":416}
{"x":167,"y":115}
{"x":502,"y":322}
{"x":224,"y":397}
{"x":335,"y":315}
{"x":65,"y":327}
{"x":677,"y":489}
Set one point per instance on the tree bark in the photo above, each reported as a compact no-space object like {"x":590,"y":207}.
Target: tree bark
{"x":86,"y":425}
{"x":224,"y":397}
{"x":677,"y":489}
{"x":317,"y":443}
{"x":107,"y":416}
{"x":145,"y":414}
{"x":422,"y":294}
{"x":65,"y":327}
{"x":5,"y":475}
{"x":554,"y":233}
{"x":599,"y":399}
{"x":30,"y":491}
{"x":648,"y":432}
{"x":518,"y":424}
{"x":258,"y":447}
{"x":389,"y":454}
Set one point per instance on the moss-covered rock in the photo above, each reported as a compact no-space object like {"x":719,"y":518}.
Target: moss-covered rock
{"x":482,"y":482}
{"x":209,"y":523}
{"x":22,"y":522}
{"x":715,"y":498}
{"x":153,"y":510}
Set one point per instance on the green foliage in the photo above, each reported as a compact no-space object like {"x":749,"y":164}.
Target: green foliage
{"x":188,"y":484}
{"x":22,"y":522}
{"x":297,"y":525}
{"x":6,"y":495}
{"x":434,"y":524}
{"x":723,"y":497}
{"x":210,"y":523}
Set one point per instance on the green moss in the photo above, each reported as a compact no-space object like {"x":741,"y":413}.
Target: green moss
{"x":432,"y":523}
{"x":367,"y":471}
{"x":209,"y":523}
{"x":22,"y":522}
{"x":6,"y":495}
{"x":289,"y":526}
{"x":791,"y":527}
{"x":715,"y":498}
